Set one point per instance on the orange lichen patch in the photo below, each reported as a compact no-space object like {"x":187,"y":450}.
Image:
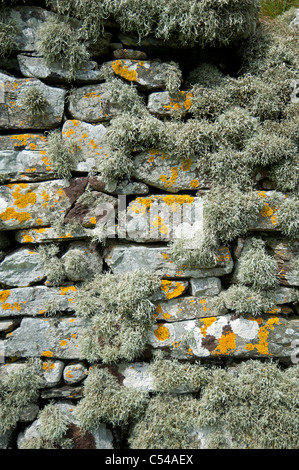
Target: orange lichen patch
{"x":92,"y":94}
{"x":123,"y":71}
{"x":176,"y":344}
{"x":159,"y":309}
{"x":33,"y":146}
{"x":194,"y":184}
{"x":47,"y":354}
{"x":93,"y":220}
{"x":206,"y":323}
{"x":4,"y":294}
{"x":63,"y":342}
{"x":15,"y":306}
{"x":11,"y":214}
{"x":226,"y":344}
{"x":224,"y":257}
{"x":69,"y":374}
{"x":174,"y":175}
{"x":166,"y":316}
{"x":154,"y":152}
{"x":151,"y":159}
{"x":39,"y":221}
{"x":161,"y":333}
{"x":188,"y":101}
{"x":165,"y":256}
{"x":262,"y":345}
{"x":75,"y":122}
{"x":71,"y":320}
{"x":65,"y":290}
{"x":174,"y":200}
{"x":176,"y":292}
{"x":68,"y":235}
{"x":267,"y":211}
{"x":22,"y":200}
{"x":190,"y":352}
{"x":262,"y":194}
{"x":48,"y":366}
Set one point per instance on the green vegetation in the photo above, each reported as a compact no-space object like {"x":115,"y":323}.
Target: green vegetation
{"x":121,"y":315}
{"x":18,"y":388}
{"x":62,"y":154}
{"x":274,"y":8}
{"x":106,"y":401}
{"x":7,"y":35}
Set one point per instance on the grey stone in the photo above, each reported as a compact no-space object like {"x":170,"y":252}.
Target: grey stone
{"x":99,"y":438}
{"x":81,"y":262}
{"x":27,"y":205}
{"x":52,"y":372}
{"x":14,"y":116}
{"x":228,"y":336}
{"x":46,"y":338}
{"x":7,"y":325}
{"x":285,"y":251}
{"x":146,"y":74}
{"x":51,"y":235}
{"x":158,"y":169}
{"x":66,"y":392}
{"x":92,"y":104}
{"x":295,"y":22}
{"x":185,"y":308}
{"x":74,"y":373}
{"x":137,"y":375}
{"x":205,"y":287}
{"x":28,"y":413}
{"x":170,"y":289}
{"x":163,"y":217}
{"x":162,"y":104}
{"x":126,"y":258}
{"x":34,"y":65}
{"x":21,"y":268}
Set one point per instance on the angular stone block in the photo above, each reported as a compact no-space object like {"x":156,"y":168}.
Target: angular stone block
{"x":162,"y":104}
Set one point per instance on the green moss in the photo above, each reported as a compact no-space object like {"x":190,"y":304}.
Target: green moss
{"x":106,"y":401}
{"x":121,"y":315}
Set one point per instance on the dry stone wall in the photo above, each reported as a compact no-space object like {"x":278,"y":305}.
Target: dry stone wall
{"x":72,"y":238}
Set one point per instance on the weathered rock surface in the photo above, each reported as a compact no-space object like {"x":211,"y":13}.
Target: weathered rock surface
{"x":126,"y":258}
{"x":170,"y":290}
{"x":74,"y":373}
{"x":286,"y":253}
{"x":146,"y":74}
{"x":161,"y":218}
{"x":50,"y":234}
{"x":185,"y":308}
{"x":205,"y":287}
{"x":21,"y":268}
{"x":46,"y":337}
{"x":81,"y":262}
{"x":162,"y":104}
{"x":25,"y":205}
{"x":157,"y":169}
{"x":100,"y":438}
{"x":34,"y":301}
{"x":228,"y":336}
{"x":13,"y":115}
{"x":92,"y":104}
{"x":34,"y":65}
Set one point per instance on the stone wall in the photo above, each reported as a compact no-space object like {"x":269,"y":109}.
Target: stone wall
{"x":89,"y":200}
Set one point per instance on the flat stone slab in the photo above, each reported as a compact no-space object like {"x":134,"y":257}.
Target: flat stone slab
{"x":146,"y":74}
{"x":46,"y":338}
{"x":21,"y":268}
{"x":170,"y":289}
{"x":228,"y":336}
{"x":285,"y":252}
{"x":33,"y":65}
{"x":92,"y":104}
{"x":162,"y":217}
{"x":34,"y":301}
{"x":209,"y":286}
{"x":157,"y":169}
{"x":185,"y":308}
{"x":23,"y":157}
{"x":126,"y":258}
{"x":50,"y":234}
{"x":26,"y":205}
{"x":162,"y":104}
{"x":12,"y":113}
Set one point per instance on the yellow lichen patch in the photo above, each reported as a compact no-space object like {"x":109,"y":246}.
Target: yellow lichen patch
{"x":173,"y":200}
{"x":161,"y":333}
{"x":226,"y":344}
{"x":176,"y":344}
{"x":186,"y":165}
{"x":93,"y":220}
{"x":190,"y":352}
{"x":262,"y":345}
{"x":262,"y":194}
{"x":206,"y":323}
{"x":165,"y":256}
{"x":63,"y":343}
{"x":267,"y":211}
{"x":8,"y":306}
{"x":65,"y":290}
{"x":48,"y":366}
{"x":194,"y":184}
{"x":176,"y":292}
{"x":68,"y":235}
{"x":166,"y":316}
{"x":123,"y":71}
{"x":159,"y":309}
{"x":47,"y":354}
{"x":33,"y":146}
{"x":11,"y":214}
{"x":174,"y":175}
{"x":39,"y":221}
{"x":188,"y":101}
{"x":22,"y":200}
{"x":4,"y":294}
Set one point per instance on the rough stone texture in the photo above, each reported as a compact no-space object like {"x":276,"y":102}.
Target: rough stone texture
{"x":23,"y":157}
{"x":126,"y":258}
{"x":81,"y":262}
{"x":285,"y":251}
{"x":100,"y":438}
{"x":295,"y":22}
{"x":162,"y":104}
{"x":91,"y":103}
{"x":14,"y":116}
{"x":46,"y":337}
{"x":146,"y":74}
{"x":162,"y":218}
{"x":228,"y":336}
{"x":267,"y":219}
{"x":205,"y":287}
{"x":74,"y":373}
{"x":34,"y":65}
{"x":50,"y":234}
{"x":157,"y":169}
{"x":25,"y":205}
{"x":185,"y":308}
{"x":170,"y":289}
{"x":52,"y":372}
{"x":21,"y":268}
